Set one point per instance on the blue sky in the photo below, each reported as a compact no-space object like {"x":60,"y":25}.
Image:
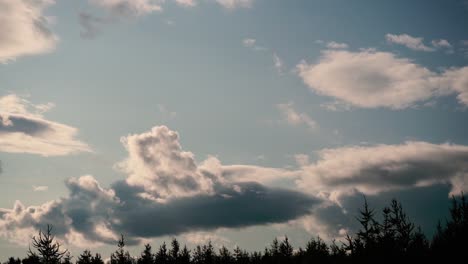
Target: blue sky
{"x":278,"y":114}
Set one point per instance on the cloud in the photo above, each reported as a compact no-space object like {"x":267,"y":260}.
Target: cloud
{"x":186,"y":3}
{"x":128,"y":8}
{"x":90,"y":25}
{"x":158,"y":164}
{"x":166,"y":192}
{"x":278,"y":63}
{"x":249,"y":42}
{"x":232,"y":4}
{"x":410,"y":42}
{"x":40,"y":188}
{"x":252,"y":43}
{"x":336,"y":45}
{"x":24,"y":29}
{"x":381,"y":168}
{"x":164,"y":113}
{"x":372,"y":79}
{"x":457,"y":79}
{"x":441,"y":43}
{"x":292,"y":117}
{"x":23,"y":129}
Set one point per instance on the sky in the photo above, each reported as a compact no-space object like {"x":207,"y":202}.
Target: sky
{"x":235,"y":121}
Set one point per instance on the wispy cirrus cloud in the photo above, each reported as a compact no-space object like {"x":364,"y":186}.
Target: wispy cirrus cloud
{"x":292,"y":117}
{"x":232,"y":4}
{"x":24,"y":29}
{"x":24,"y":129}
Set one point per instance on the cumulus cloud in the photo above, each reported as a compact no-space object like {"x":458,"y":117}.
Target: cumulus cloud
{"x":158,"y":164}
{"x":23,"y":129}
{"x":375,"y":169}
{"x":292,"y":117}
{"x":410,"y":42}
{"x":166,"y":192}
{"x":371,"y":79}
{"x":24,"y":29}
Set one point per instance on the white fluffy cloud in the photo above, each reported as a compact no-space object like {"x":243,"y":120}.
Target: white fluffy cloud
{"x":24,"y":29}
{"x":292,"y":117}
{"x":371,"y":79}
{"x":158,"y":164}
{"x":410,"y":42}
{"x":23,"y":129}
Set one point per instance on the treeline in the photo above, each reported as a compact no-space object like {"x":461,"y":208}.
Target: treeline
{"x":388,"y":240}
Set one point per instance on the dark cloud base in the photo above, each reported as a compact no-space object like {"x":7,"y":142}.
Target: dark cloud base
{"x":254,"y":205}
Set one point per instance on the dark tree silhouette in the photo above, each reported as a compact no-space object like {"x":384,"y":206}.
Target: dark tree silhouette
{"x":48,"y":250}
{"x":120,"y":256}
{"x":85,"y":258}
{"x":392,"y":239}
{"x":174,"y":253}
{"x":146,"y":256}
{"x":162,"y":256}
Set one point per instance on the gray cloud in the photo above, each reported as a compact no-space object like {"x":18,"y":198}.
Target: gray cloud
{"x":166,"y":192}
{"x":23,"y":129}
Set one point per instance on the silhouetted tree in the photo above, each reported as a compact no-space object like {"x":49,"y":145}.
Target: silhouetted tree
{"x":162,"y":257}
{"x":241,"y":256}
{"x":32,"y":258}
{"x":97,"y":259}
{"x":120,"y":256}
{"x":85,"y":257}
{"x":225,"y":256}
{"x":13,"y":260}
{"x":67,"y":259}
{"x":184,"y":257}
{"x":174,"y":252}
{"x":146,"y":256}
{"x":48,"y":250}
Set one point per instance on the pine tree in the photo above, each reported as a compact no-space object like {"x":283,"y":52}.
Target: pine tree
{"x":85,"y":258}
{"x":225,"y":256}
{"x":174,"y":252}
{"x":146,"y":256}
{"x":161,"y":256}
{"x":48,"y":249}
{"x":97,"y":259}
{"x":184,"y":257}
{"x":120,"y":256}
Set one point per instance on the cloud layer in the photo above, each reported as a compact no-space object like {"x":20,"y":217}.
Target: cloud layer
{"x":371,"y":79}
{"x":375,"y":169}
{"x":24,"y":29}
{"x":166,"y":192}
{"x":23,"y":129}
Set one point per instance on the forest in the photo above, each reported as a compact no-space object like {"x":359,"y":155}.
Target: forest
{"x":392,"y":238}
